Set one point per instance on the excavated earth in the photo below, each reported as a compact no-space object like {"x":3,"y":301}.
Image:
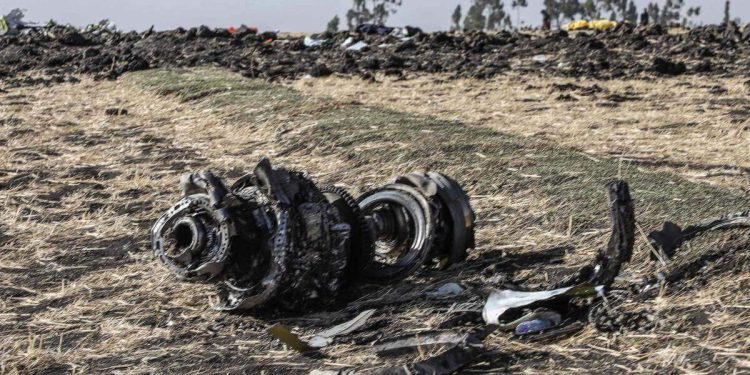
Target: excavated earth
{"x":623,"y":52}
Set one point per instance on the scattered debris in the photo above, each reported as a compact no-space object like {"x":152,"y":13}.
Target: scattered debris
{"x":348,"y":42}
{"x":324,"y":338}
{"x":535,"y":326}
{"x":600,"y":25}
{"x":577,"y":25}
{"x":358,"y":46}
{"x":426,"y":341}
{"x":668,"y":67}
{"x":698,"y":318}
{"x":454,"y":359}
{"x":103,"y":26}
{"x":369,"y":28}
{"x":502,"y":301}
{"x":505,"y":308}
{"x":537,"y":321}
{"x":320,"y":339}
{"x":289,"y":339}
{"x":320,"y":70}
{"x":616,"y":313}
{"x":105,"y":52}
{"x":115,"y":111}
{"x":555,"y":333}
{"x":447,"y":290}
{"x":671,"y":237}
{"x":314,"y":41}
{"x":12,"y":22}
{"x":610,"y":260}
{"x":619,"y":249}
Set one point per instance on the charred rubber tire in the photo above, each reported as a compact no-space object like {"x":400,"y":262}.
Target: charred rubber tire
{"x":420,"y":232}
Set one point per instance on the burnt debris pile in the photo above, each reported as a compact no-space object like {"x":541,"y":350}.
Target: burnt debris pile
{"x":274,"y":239}
{"x":61,"y":51}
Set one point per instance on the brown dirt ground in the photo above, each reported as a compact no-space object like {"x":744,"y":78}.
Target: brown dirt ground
{"x":81,"y":292}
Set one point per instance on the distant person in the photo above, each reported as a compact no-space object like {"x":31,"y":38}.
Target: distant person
{"x":546,"y":21}
{"x":644,"y":18}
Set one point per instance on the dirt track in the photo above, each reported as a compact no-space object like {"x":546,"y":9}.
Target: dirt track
{"x":81,"y":292}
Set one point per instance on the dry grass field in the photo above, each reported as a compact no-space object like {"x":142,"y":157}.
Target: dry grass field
{"x":81,"y":293}
{"x":696,"y":126}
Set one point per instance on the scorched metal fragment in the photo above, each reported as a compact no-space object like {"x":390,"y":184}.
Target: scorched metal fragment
{"x":417,"y":218}
{"x":272,"y":238}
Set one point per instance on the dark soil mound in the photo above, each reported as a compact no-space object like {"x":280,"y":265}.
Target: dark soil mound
{"x":59,"y":52}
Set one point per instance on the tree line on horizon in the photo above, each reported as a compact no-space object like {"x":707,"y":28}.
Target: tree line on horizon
{"x":494,"y":15}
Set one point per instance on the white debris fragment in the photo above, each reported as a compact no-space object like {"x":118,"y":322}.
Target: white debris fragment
{"x":503,"y":300}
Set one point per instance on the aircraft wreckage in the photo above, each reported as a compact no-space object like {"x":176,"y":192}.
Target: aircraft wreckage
{"x":274,"y":238}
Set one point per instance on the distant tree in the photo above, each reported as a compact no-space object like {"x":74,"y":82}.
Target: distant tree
{"x":632,"y":14}
{"x":560,"y":10}
{"x":727,"y":16}
{"x":475,"y":19}
{"x":619,"y":10}
{"x":358,"y":14}
{"x":487,"y":15}
{"x":456,"y":18}
{"x":517,"y":5}
{"x":553,"y":9}
{"x":497,"y":18}
{"x":569,"y":9}
{"x":691,"y":12}
{"x":380,"y":14}
{"x":671,"y":11}
{"x":590,"y":10}
{"x":333,"y":24}
{"x":654,"y":12}
{"x":370,"y":11}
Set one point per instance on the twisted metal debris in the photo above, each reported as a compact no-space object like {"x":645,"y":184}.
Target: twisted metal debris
{"x":619,"y":251}
{"x":273,"y":238}
{"x":417,"y":219}
{"x":671,"y":237}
